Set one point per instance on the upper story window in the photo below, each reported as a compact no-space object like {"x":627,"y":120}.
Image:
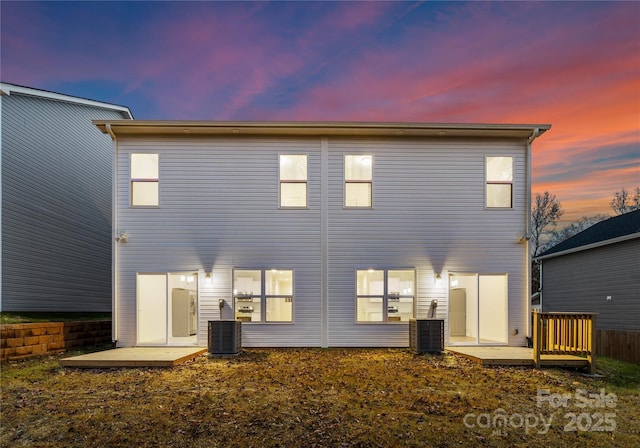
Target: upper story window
{"x":293,"y":181}
{"x":144,"y":180}
{"x":358,"y":179}
{"x":499,"y":180}
{"x":385,"y":295}
{"x":263,"y":295}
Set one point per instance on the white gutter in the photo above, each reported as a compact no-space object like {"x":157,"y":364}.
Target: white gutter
{"x":1,"y":200}
{"x":527,"y":230}
{"x":114,"y":242}
{"x":527,"y":224}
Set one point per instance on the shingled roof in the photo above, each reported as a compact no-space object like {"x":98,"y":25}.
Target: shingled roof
{"x":603,"y":232}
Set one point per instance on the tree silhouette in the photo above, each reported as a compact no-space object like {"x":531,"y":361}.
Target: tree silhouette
{"x":623,"y":201}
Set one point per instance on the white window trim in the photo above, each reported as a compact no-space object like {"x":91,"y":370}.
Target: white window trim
{"x":264,"y":296}
{"x":141,"y":180}
{"x":345,"y":182}
{"x":385,"y":297}
{"x":487,"y":182}
{"x":285,"y":181}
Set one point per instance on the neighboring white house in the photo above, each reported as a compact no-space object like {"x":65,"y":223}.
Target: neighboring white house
{"x":55,"y":185}
{"x":320,"y":234}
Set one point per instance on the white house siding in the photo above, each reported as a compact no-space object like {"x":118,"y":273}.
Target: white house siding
{"x":56,"y":206}
{"x":219,"y":210}
{"x":428,"y":213}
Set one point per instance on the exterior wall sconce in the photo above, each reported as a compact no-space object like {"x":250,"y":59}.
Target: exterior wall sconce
{"x":207,"y":279}
{"x":122,"y":237}
{"x":438,"y":281}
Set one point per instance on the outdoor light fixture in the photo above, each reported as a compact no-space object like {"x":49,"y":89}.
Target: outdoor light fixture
{"x":438,"y":281}
{"x":207,"y":279}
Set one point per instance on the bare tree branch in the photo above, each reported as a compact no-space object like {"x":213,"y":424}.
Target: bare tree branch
{"x":544,"y":216}
{"x":619,"y":201}
{"x":624,"y":202}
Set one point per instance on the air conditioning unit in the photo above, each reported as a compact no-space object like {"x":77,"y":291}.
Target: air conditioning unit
{"x":225,"y":337}
{"x":426,"y":335}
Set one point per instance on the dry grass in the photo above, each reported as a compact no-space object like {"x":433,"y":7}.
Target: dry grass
{"x":302,"y":398}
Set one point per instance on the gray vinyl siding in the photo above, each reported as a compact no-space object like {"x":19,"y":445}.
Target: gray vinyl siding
{"x":56,"y":206}
{"x":581,"y":282}
{"x":219,"y":210}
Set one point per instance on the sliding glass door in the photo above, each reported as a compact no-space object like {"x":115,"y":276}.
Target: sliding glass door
{"x":478,"y":309}
{"x":167,"y":311}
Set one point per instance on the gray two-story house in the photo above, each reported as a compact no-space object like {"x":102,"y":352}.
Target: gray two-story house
{"x":598,"y":271}
{"x":55,"y":185}
{"x":320,"y":234}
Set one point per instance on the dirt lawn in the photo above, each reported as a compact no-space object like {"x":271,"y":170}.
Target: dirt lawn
{"x":319,"y":398}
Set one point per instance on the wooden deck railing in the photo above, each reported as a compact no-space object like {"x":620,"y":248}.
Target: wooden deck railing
{"x":564,"y":334}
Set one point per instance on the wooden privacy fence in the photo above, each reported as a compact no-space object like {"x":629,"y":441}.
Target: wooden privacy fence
{"x":564,"y":334}
{"x":619,"y":344}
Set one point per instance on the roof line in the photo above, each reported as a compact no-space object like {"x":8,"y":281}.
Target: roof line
{"x":398,"y":129}
{"x":330,"y":124}
{"x":619,"y":239}
{"x":8,"y":89}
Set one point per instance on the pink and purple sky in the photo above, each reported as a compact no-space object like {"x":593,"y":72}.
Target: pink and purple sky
{"x":575,"y":65}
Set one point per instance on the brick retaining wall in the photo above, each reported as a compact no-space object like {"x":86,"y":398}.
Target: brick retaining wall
{"x":33,"y":339}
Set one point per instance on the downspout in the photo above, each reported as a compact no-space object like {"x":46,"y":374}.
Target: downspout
{"x":2,"y":93}
{"x":527,"y":230}
{"x":114,"y":242}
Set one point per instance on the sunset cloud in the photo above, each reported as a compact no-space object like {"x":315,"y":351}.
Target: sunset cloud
{"x":573,"y":65}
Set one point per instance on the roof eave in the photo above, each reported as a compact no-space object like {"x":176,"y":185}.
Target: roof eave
{"x":142,"y":127}
{"x":589,"y":246}
{"x":8,"y":89}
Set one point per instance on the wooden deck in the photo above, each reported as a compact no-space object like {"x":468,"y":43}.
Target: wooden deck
{"x":515,"y":356}
{"x":135,"y":357}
